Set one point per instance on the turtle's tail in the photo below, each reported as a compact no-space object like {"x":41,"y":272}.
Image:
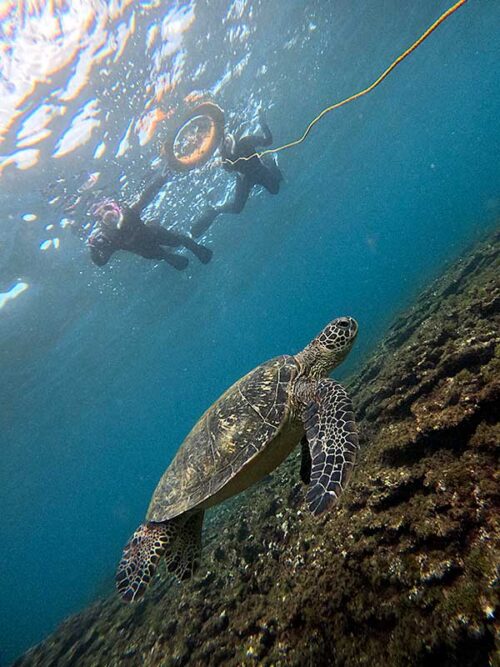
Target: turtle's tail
{"x":178,"y":539}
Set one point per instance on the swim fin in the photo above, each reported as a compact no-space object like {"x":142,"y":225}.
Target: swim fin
{"x":177,"y":261}
{"x":203,"y":253}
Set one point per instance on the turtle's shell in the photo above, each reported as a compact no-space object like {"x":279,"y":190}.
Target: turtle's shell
{"x":232,"y":432}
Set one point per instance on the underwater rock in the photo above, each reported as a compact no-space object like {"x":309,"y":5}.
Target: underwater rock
{"x":401,"y":573}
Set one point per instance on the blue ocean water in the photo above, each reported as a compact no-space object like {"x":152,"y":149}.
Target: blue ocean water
{"x":104,"y":371}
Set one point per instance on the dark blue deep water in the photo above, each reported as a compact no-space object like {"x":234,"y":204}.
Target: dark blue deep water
{"x":104,"y":371}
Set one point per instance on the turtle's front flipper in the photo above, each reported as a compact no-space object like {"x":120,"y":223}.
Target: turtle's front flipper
{"x":333,"y":443}
{"x":305,"y":461}
{"x":141,"y":556}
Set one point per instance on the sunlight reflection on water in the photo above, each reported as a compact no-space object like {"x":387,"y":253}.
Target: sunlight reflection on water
{"x":55,"y":56}
{"x":13,"y":293}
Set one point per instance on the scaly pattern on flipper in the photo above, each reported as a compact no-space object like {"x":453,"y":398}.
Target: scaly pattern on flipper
{"x":333,"y":443}
{"x":178,"y":540}
{"x":140,"y":558}
{"x":183,"y":556}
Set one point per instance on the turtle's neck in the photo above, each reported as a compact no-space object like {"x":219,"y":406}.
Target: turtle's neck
{"x":315,"y":363}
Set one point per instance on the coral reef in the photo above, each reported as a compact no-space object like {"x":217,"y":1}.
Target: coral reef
{"x":401,"y":573}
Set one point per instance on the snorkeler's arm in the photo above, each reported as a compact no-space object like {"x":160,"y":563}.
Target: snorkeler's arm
{"x":252,"y":142}
{"x":100,"y":250}
{"x":266,"y":138}
{"x":151,"y":191}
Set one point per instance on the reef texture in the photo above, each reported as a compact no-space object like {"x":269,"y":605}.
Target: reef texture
{"x":402,"y":572}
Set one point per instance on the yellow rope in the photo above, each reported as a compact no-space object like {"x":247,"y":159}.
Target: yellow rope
{"x":386,"y":73}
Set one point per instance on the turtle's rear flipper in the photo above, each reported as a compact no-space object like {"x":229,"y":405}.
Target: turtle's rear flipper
{"x":333,"y":444}
{"x":141,"y":556}
{"x":179,"y":540}
{"x":183,"y":556}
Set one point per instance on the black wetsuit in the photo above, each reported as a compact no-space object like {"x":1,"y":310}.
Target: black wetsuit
{"x":250,"y":173}
{"x":141,"y":239}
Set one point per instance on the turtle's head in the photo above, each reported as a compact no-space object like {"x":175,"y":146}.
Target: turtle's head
{"x":330,"y":347}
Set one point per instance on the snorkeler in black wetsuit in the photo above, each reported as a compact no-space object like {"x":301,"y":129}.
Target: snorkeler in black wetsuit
{"x":121,"y":228}
{"x":250,"y":172}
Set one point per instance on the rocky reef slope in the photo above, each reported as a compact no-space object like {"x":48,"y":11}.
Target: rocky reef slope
{"x":401,"y":573}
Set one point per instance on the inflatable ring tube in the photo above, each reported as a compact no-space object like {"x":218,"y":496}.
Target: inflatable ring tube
{"x":204,"y":152}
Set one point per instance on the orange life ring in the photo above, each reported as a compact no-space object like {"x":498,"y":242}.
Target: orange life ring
{"x":204,"y":150}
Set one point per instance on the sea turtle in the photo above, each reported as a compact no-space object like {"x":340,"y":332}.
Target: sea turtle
{"x":241,"y":438}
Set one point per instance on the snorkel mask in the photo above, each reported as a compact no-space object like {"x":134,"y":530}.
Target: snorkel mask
{"x":109,"y":213}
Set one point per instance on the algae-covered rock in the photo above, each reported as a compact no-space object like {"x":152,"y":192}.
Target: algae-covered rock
{"x":401,"y":573}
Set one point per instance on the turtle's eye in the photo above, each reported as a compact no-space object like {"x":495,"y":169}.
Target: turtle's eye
{"x":346,"y":326}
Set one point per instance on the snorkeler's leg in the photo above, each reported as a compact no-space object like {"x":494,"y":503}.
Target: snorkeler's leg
{"x":175,"y":239}
{"x":236,"y":205}
{"x":270,"y":178}
{"x":204,"y":221}
{"x":275,"y":170}
{"x":241,"y":193}
{"x":164,"y":236}
{"x":157,"y":252}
